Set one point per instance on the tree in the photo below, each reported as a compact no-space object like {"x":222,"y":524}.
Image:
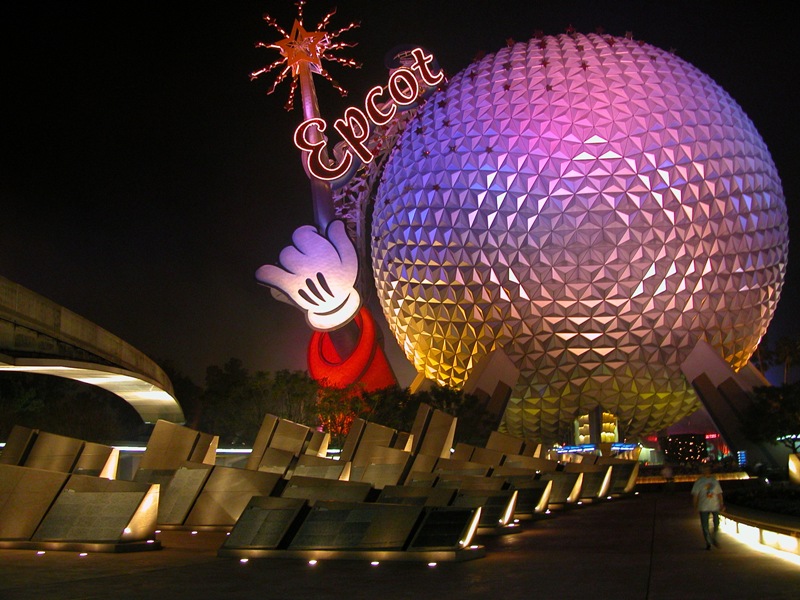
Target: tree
{"x":392,"y":406}
{"x":336,"y":410}
{"x":187,"y":393}
{"x":291,"y":395}
{"x":774,"y":416}
{"x":235,"y":401}
{"x":787,"y":353}
{"x":474,"y":422}
{"x":397,"y":408}
{"x":226,"y":403}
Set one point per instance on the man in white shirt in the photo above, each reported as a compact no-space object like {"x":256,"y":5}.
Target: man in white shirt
{"x":707,"y":494}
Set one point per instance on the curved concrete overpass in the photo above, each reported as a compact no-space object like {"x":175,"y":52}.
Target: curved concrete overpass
{"x":39,"y":336}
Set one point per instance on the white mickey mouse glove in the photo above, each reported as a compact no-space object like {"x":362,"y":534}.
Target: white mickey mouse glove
{"x":318,"y":275}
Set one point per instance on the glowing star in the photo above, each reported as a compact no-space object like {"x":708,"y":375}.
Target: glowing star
{"x":302,"y":50}
{"x":302,"y":47}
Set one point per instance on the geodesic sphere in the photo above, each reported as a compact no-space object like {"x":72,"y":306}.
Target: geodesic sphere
{"x":592,"y":207}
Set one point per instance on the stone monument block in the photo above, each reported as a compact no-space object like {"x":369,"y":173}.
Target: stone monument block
{"x":485,"y":456}
{"x":54,"y":452}
{"x":596,"y":479}
{"x":318,"y":444}
{"x":356,"y":526}
{"x":170,"y":445}
{"x":566,"y":486}
{"x":461,"y":467}
{"x":25,"y":496}
{"x":180,"y":494}
{"x":374,"y":435}
{"x":437,"y":436}
{"x":98,"y":510}
{"x":322,"y":468}
{"x":263,"y":438}
{"x":497,"y":506}
{"x":277,"y":461}
{"x":19,"y":443}
{"x":98,"y":460}
{"x":381,"y":466}
{"x":531,"y":463}
{"x":507,"y":444}
{"x":290,"y":436}
{"x":314,"y":490}
{"x":445,"y":528}
{"x":267,"y":523}
{"x":225,"y":495}
{"x":533,"y":494}
{"x":352,"y":440}
{"x":471,"y":482}
{"x":420,"y":496}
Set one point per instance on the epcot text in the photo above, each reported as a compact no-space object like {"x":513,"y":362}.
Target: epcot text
{"x":354,"y":127}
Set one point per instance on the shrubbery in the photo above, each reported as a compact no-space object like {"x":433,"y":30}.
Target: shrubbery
{"x":781,"y":498}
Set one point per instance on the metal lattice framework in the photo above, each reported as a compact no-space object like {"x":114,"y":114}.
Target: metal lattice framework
{"x":593,"y":206}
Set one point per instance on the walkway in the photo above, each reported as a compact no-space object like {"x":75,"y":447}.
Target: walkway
{"x":647,"y":547}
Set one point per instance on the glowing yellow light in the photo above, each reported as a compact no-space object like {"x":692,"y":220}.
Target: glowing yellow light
{"x":780,"y":541}
{"x":509,"y":512}
{"x":749,"y":534}
{"x":473,"y":527}
{"x":765,"y":541}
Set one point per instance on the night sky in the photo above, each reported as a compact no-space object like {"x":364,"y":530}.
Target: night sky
{"x":144,"y":178}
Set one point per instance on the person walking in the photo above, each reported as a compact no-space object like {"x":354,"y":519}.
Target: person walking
{"x":708,"y":501}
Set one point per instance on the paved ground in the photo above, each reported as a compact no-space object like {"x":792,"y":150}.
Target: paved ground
{"x":647,"y":547}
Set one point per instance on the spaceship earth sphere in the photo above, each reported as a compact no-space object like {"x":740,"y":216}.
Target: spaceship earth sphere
{"x":592,"y":206}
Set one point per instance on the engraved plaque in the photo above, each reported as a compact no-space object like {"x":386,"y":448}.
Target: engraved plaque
{"x":290,"y":436}
{"x":356,"y":526}
{"x":313,"y":489}
{"x":226,"y":493}
{"x":178,"y":497}
{"x":563,"y":484}
{"x":442,"y":528}
{"x":620,"y":476}
{"x":25,"y":496}
{"x":265,"y":523}
{"x":418,"y":496}
{"x":504,"y":443}
{"x":493,"y":504}
{"x":19,"y":442}
{"x":169,"y":446}
{"x":54,"y":452}
{"x":276,"y":461}
{"x":89,"y":516}
{"x":93,"y":459}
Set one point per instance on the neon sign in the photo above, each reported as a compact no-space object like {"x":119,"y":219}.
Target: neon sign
{"x":355,"y":125}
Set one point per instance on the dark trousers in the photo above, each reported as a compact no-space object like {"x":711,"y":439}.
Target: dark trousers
{"x":710,"y":537}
